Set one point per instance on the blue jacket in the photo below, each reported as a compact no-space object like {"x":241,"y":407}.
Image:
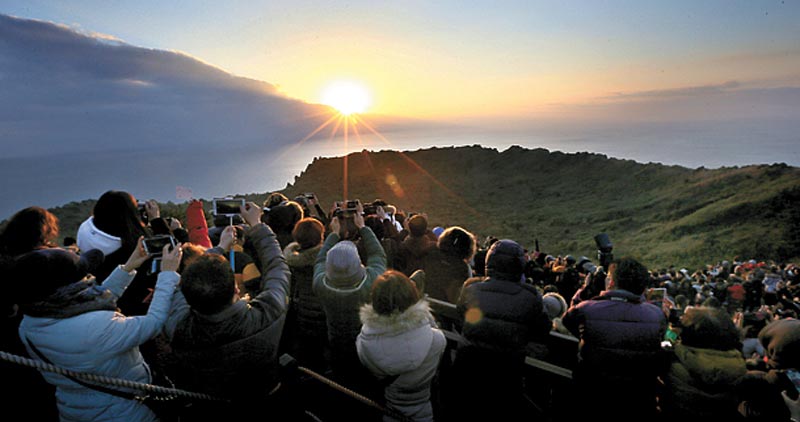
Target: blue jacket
{"x":103,"y":343}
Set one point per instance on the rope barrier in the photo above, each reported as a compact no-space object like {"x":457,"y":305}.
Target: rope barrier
{"x":101,"y":379}
{"x":353,"y":394}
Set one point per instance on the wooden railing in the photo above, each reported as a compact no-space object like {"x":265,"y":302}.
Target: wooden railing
{"x":556,"y":356}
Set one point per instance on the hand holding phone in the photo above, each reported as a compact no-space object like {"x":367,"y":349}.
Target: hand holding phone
{"x":228,"y":206}
{"x":154,"y":245}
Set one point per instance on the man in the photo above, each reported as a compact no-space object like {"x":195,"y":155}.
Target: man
{"x":620,"y":346}
{"x":343,"y":285}
{"x":228,"y":347}
{"x":500,"y":316}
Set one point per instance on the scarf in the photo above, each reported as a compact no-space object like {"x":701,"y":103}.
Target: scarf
{"x":71,"y":300}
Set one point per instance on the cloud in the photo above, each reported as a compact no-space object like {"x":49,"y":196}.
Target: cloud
{"x":692,"y":91}
{"x":66,"y":90}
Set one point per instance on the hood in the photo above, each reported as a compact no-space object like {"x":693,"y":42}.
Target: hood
{"x":90,"y":237}
{"x":399,"y":342}
{"x":300,"y":258}
{"x":712,"y":367}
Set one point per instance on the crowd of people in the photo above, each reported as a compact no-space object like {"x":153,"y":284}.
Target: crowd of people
{"x":346,"y":293}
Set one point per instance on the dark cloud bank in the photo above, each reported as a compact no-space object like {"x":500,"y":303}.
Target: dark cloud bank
{"x":65,"y":92}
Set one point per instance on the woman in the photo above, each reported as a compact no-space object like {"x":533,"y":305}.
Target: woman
{"x":447,"y":266}
{"x":114,"y":228}
{"x":73,"y":323}
{"x":400,"y":345}
{"x":305,"y":333}
{"x":706,"y":368}
{"x":29,"y":229}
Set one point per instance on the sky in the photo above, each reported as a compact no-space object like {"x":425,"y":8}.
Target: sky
{"x":236,"y":88}
{"x":465,"y":60}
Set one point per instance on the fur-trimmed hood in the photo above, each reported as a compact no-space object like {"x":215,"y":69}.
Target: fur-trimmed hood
{"x":300,"y":258}
{"x":399,"y":342}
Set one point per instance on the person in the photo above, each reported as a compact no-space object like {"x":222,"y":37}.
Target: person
{"x":705,"y":369}
{"x":74,"y":324}
{"x":224,"y":347}
{"x":305,"y":334}
{"x":343,"y":285}
{"x":761,"y":389}
{"x":620,"y":355}
{"x":282,"y":218}
{"x":555,"y":306}
{"x":29,"y":229}
{"x":114,"y":228}
{"x":400,"y":345}
{"x":446,"y":267}
{"x":417,"y":245}
{"x":196,"y":224}
{"x":500,"y":316}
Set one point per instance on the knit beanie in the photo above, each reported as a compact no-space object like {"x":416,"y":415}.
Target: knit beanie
{"x":343,"y":266}
{"x":554,"y":305}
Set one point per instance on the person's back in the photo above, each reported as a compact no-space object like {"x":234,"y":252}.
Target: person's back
{"x":343,"y":286}
{"x":224,"y":348}
{"x":400,"y":345}
{"x":705,"y":369}
{"x":620,"y":349}
{"x":500,"y":316}
{"x":305,"y":334}
{"x":446,"y":266}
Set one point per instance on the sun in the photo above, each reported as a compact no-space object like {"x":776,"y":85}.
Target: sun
{"x":346,"y":96}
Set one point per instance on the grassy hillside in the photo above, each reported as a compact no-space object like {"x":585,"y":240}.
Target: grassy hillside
{"x":662,"y":214}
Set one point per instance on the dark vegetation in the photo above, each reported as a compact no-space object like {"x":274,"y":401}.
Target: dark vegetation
{"x":662,"y":214}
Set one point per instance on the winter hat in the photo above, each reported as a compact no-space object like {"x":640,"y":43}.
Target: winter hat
{"x":45,"y":270}
{"x":437,"y":231}
{"x":505,"y":260}
{"x":343,"y":265}
{"x":90,"y":237}
{"x":554,"y":305}
{"x":781,"y":341}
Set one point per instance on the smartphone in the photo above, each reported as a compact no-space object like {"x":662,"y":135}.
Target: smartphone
{"x":154,"y":245}
{"x":794,"y":377}
{"x":656,"y":296}
{"x":227,"y":206}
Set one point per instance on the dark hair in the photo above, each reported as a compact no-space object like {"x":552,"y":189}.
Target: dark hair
{"x":376,"y":224}
{"x":630,"y":275}
{"x":283,"y":217}
{"x":117,"y":214}
{"x":709,"y":328}
{"x":69,"y":241}
{"x":308,"y":232}
{"x":28,"y":229}
{"x":208,"y":284}
{"x":393,"y":292}
{"x":190,"y":254}
{"x":417,"y":225}
{"x":274,"y":199}
{"x":457,"y":242}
